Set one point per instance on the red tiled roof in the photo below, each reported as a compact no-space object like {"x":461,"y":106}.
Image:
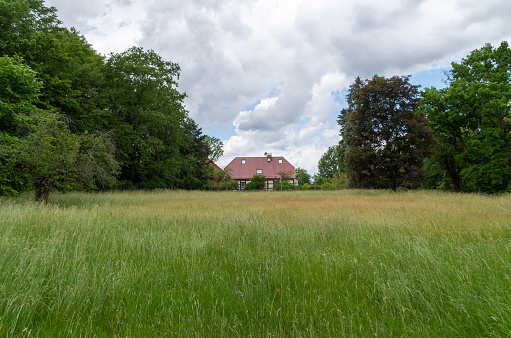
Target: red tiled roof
{"x":270,"y":168}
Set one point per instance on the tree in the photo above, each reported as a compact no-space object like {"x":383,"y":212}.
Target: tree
{"x":21,"y":21}
{"x":130,"y":96}
{"x":284,"y":177}
{"x":216,"y":147}
{"x":74,"y":81}
{"x":162,"y":146}
{"x":472,"y":120}
{"x":56,"y":159}
{"x":19,"y":89}
{"x":387,"y":136}
{"x":69,"y":69}
{"x":331,"y":161}
{"x":302,"y":176}
{"x":194,"y":174}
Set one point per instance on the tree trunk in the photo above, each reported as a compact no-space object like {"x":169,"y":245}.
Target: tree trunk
{"x":453,"y":172}
{"x":42,"y":192}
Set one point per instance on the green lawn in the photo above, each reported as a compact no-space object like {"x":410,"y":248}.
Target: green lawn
{"x":305,"y":263}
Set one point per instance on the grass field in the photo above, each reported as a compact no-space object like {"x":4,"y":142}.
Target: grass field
{"x":306,"y":263}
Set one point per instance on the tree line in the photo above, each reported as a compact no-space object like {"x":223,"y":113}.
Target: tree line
{"x":456,"y":138}
{"x":71,"y":118}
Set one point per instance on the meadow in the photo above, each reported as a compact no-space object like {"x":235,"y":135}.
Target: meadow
{"x":275,"y":264}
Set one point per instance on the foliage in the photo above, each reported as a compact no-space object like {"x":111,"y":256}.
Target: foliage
{"x":224,"y":175}
{"x":387,"y":137}
{"x":216,"y":147}
{"x":331,"y":161}
{"x":231,"y":185}
{"x":19,"y":90}
{"x":339,"y":180}
{"x":132,"y":97}
{"x":472,"y":121}
{"x":285,"y":185}
{"x":163,"y":147}
{"x":257,"y":182}
{"x":302,"y":176}
{"x":56,"y":159}
{"x":21,"y":21}
{"x":306,"y":186}
{"x":74,"y":80}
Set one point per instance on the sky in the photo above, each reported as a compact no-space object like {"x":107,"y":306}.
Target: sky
{"x":272,"y":75}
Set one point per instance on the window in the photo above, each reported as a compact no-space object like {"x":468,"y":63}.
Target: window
{"x":259,"y":171}
{"x":280,"y":161}
{"x":243,"y":161}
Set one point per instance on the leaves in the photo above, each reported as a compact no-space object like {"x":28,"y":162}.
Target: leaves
{"x":331,"y":161}
{"x":56,"y":159}
{"x":386,"y":137}
{"x":472,"y":120}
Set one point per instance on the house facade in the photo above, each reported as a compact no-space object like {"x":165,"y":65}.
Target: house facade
{"x":243,"y":168}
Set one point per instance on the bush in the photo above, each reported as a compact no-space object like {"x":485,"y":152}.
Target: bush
{"x":231,"y":185}
{"x":286,"y":185}
{"x":306,"y":186}
{"x":257,"y":182}
{"x":327,"y":186}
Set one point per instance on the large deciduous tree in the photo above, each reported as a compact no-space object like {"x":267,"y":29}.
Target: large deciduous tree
{"x":70,"y":71}
{"x":472,"y":120}
{"x":162,"y":146}
{"x":386,"y":136}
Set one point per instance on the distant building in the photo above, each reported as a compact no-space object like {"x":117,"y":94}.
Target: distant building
{"x":243,"y":168}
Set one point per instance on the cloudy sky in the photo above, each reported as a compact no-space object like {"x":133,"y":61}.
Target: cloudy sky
{"x":271,"y":75}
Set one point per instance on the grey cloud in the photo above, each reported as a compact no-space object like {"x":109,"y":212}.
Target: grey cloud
{"x":366,"y":39}
{"x":74,"y":13}
{"x":289,"y":108}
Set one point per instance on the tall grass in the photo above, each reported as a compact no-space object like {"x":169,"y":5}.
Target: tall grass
{"x":312,"y":263}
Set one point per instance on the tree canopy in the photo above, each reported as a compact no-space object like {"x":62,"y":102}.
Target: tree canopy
{"x":53,"y":83}
{"x":472,"y":120}
{"x":387,"y":137}
{"x":331,"y":161}
{"x":302,"y":176}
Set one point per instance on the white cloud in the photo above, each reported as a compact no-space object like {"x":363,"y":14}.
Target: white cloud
{"x":294,"y":56}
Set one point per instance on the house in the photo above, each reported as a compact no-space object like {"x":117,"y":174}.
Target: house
{"x":243,"y":168}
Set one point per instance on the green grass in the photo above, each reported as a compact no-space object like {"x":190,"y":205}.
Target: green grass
{"x":341,"y":263}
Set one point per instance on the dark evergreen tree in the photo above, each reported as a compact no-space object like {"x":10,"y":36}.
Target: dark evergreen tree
{"x":386,"y":136}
